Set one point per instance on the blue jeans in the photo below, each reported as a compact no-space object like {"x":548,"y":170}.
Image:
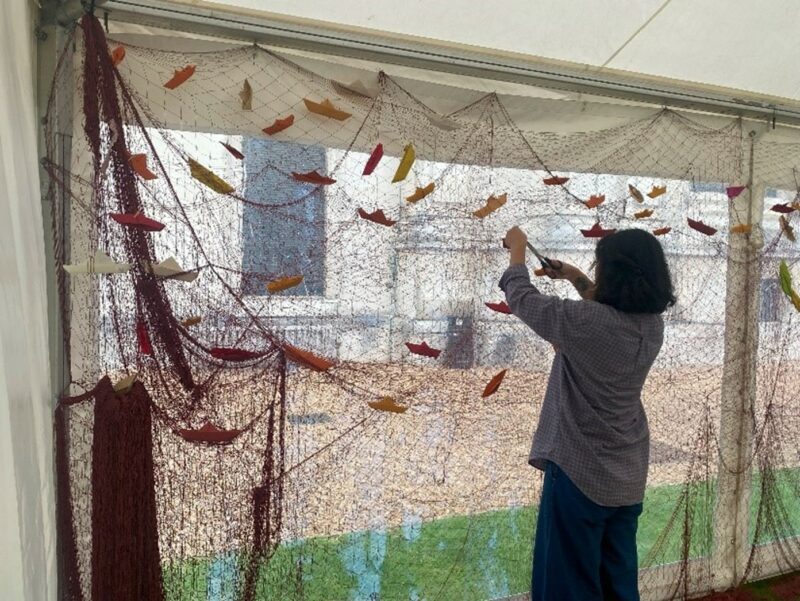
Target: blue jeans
{"x":583,"y":551}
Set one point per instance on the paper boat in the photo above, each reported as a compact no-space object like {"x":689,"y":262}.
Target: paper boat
{"x":635,"y":193}
{"x":373,"y":160}
{"x":145,"y":346}
{"x":125,"y":384}
{"x":376,"y":217}
{"x":284,"y":283}
{"x":180,"y":77}
{"x":387,"y":404}
{"x":327,"y":109}
{"x":246,"y":96}
{"x":138,"y":163}
{"x":137,"y":221}
{"x":312,"y":177}
{"x":742,"y":228}
{"x":444,"y":123}
{"x":734,"y":191}
{"x":205,"y":176}
{"x":662,"y":231}
{"x":492,"y":204}
{"x":307,"y":358}
{"x":409,"y":155}
{"x":701,"y":227}
{"x":786,"y":228}
{"x":597,"y":231}
{"x":782,"y":208}
{"x":279,"y":125}
{"x":169,"y":269}
{"x":233,"y":354}
{"x":423,"y":349}
{"x":356,"y":87}
{"x":191,"y":321}
{"x":235,"y":152}
{"x":99,"y":263}
{"x":494,"y":384}
{"x":500,"y":307}
{"x":210,"y":434}
{"x":595,"y":200}
{"x":421,"y":193}
{"x":555,"y":181}
{"x":643,"y":214}
{"x":657,"y":191}
{"x":117,"y":55}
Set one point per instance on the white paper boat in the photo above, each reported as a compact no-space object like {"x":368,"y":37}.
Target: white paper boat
{"x":356,"y":87}
{"x":444,"y":123}
{"x":99,"y":263}
{"x":169,"y":269}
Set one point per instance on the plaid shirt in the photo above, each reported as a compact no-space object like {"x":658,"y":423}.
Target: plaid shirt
{"x":592,"y":422}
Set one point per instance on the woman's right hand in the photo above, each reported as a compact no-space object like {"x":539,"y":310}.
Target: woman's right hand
{"x":560,"y":270}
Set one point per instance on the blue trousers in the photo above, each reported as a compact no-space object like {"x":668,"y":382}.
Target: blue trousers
{"x":583,"y":551}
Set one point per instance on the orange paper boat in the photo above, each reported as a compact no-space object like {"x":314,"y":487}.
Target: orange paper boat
{"x":327,"y":109}
{"x":742,"y":228}
{"x":307,"y":358}
{"x":500,"y":307}
{"x":492,"y":204}
{"x":494,"y":384}
{"x":210,"y":434}
{"x":180,"y":77}
{"x":388,"y":404}
{"x":657,"y":191}
{"x":376,"y":217}
{"x":312,"y":177}
{"x":117,"y":55}
{"x":643,"y":214}
{"x":284,"y":283}
{"x":635,"y":193}
{"x":662,"y":231}
{"x":595,"y":201}
{"x":139,"y":164}
{"x":279,"y":125}
{"x":597,"y":231}
{"x":191,"y":321}
{"x":701,"y":227}
{"x":236,"y":153}
{"x":555,"y":181}
{"x":421,"y":193}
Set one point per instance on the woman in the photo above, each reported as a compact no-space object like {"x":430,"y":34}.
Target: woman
{"x":592,"y":440}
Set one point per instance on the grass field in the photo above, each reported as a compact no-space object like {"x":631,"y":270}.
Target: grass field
{"x":481,"y":556}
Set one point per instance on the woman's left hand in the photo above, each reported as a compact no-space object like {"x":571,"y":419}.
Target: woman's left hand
{"x":515,"y":238}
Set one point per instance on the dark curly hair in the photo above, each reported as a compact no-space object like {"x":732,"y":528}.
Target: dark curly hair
{"x":632,"y":273}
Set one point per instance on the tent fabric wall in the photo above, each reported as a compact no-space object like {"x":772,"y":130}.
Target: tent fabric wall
{"x":27,"y":555}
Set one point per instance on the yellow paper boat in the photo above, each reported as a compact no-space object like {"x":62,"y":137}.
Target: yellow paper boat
{"x":327,"y":109}
{"x":742,"y":228}
{"x":492,"y":204}
{"x":388,"y":404}
{"x":657,"y":191}
{"x":284,"y":283}
{"x":246,"y":96}
{"x":635,"y":193}
{"x":99,"y":263}
{"x":125,"y":384}
{"x":209,"y":178}
{"x":643,"y":214}
{"x":421,"y":193}
{"x":409,"y":154}
{"x":170,"y":269}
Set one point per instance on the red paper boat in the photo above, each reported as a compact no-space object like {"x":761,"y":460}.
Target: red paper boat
{"x":312,"y":177}
{"x":701,"y":227}
{"x":662,"y":231}
{"x":138,"y":221}
{"x":494,"y":384}
{"x":782,"y":208}
{"x":734,"y":191}
{"x":500,"y":307}
{"x":234,"y":354}
{"x":555,"y":181}
{"x":210,"y":434}
{"x":376,"y":217}
{"x":307,"y":358}
{"x":279,"y":125}
{"x":117,"y":55}
{"x":145,"y":347}
{"x":236,"y":153}
{"x":139,"y":164}
{"x":180,"y":77}
{"x":423,"y":349}
{"x":373,"y":160}
{"x":596,"y":231}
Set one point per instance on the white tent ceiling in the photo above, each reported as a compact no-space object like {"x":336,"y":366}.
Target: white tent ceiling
{"x":739,"y":44}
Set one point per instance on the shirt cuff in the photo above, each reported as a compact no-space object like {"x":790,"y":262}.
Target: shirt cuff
{"x":519,"y":270}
